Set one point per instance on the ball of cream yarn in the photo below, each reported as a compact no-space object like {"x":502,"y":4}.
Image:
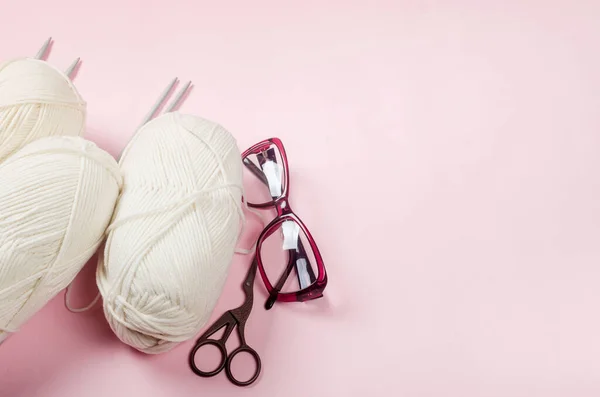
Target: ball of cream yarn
{"x":57,"y":196}
{"x":36,"y":100}
{"x":174,"y":231}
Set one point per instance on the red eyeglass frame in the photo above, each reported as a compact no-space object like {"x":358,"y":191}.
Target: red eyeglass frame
{"x":285,"y":213}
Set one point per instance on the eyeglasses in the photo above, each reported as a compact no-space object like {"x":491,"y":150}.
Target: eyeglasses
{"x":285,"y":245}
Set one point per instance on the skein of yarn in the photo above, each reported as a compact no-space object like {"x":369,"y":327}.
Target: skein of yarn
{"x":57,"y":196}
{"x":174,"y":231}
{"x":36,"y":100}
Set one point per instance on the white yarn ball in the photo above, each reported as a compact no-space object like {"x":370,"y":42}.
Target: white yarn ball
{"x":36,"y":100}
{"x":57,"y":197}
{"x":174,"y":232}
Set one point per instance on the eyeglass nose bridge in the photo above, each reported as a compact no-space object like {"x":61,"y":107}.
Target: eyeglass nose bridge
{"x":282,"y":205}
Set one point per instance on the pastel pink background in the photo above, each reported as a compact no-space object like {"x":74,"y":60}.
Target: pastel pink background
{"x":444,"y":154}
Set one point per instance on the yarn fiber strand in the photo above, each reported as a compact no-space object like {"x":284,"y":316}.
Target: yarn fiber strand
{"x":57,"y":197}
{"x":36,"y":100}
{"x":174,"y":231}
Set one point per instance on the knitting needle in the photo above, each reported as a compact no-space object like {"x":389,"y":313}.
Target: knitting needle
{"x":40,"y":54}
{"x":159,"y":102}
{"x":176,"y":102}
{"x":42,"y":51}
{"x":72,"y":68}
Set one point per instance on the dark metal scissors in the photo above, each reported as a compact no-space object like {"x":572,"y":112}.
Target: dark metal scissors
{"x":230,"y":319}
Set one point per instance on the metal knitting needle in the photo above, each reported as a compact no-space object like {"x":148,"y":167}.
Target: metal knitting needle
{"x":40,"y":54}
{"x":159,"y":102}
{"x":42,"y":51}
{"x":175,"y":104}
{"x":72,"y":68}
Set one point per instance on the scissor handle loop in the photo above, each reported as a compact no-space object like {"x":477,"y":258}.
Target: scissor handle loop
{"x":192,"y":358}
{"x":255,"y":356}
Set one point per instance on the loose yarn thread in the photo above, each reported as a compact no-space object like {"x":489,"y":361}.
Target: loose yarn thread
{"x":174,"y":231}
{"x":36,"y":100}
{"x":57,"y":196}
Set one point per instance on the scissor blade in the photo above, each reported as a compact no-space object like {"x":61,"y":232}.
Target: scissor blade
{"x":242,"y":312}
{"x":227,"y":321}
{"x":249,"y":280}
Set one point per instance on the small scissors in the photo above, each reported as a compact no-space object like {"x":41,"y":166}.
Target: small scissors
{"x":230,"y":319}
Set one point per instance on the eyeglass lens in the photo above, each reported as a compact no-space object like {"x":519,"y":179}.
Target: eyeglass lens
{"x":288,"y":258}
{"x":263,"y":176}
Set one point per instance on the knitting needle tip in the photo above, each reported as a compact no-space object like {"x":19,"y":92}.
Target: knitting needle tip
{"x":160,"y":101}
{"x":179,"y":98}
{"x":72,"y":67}
{"x":42,"y":51}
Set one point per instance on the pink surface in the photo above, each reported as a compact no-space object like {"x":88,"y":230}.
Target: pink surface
{"x":445,"y":156}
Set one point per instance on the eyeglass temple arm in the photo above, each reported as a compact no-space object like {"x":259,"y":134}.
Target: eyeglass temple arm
{"x":293,"y":257}
{"x":281,"y":282}
{"x":301,"y":254}
{"x":256,"y":171}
